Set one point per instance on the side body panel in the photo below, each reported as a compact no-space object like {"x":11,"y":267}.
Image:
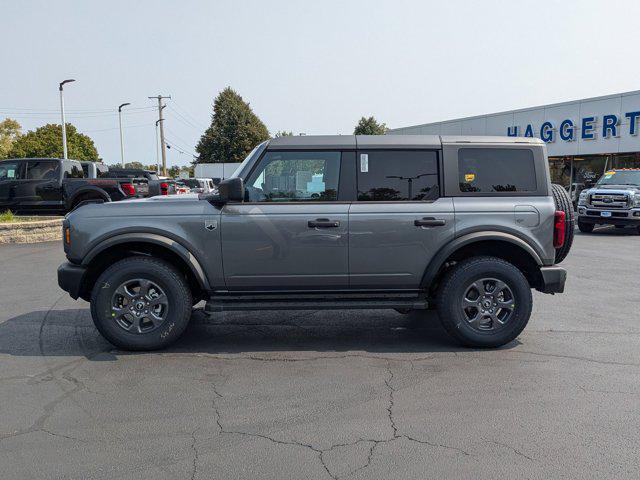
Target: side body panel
{"x":271,"y":246}
{"x":185,"y":220}
{"x":527,"y":215}
{"x":387,"y":250}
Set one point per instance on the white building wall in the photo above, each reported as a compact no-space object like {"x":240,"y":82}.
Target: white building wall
{"x":575,"y":111}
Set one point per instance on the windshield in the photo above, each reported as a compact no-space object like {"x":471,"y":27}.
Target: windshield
{"x":620,"y":177}
{"x":256,"y":151}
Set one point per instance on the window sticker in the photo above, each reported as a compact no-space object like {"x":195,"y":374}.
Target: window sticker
{"x":364,"y":162}
{"x":11,"y":174}
{"x":469,"y":177}
{"x":609,"y":174}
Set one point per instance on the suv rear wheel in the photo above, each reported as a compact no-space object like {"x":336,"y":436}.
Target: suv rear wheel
{"x":141,"y":303}
{"x":484,"y":302}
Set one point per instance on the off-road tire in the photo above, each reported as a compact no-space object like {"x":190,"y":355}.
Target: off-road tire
{"x":563,"y":203}
{"x":585,"y":227}
{"x":158,"y":271}
{"x":452,"y":290}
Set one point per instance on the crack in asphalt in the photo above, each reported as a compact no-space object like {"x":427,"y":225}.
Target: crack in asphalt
{"x":584,"y":359}
{"x":514,"y":450}
{"x":194,"y":447}
{"x":320,"y":453}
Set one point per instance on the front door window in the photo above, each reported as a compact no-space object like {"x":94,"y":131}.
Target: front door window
{"x":295,"y":177}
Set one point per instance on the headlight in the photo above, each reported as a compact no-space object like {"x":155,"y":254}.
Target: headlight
{"x":583,"y":197}
{"x":636,"y":200}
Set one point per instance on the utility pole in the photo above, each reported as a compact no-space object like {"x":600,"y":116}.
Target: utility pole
{"x":64,"y":125}
{"x":162,"y":144}
{"x":157,"y":150}
{"x":121,"y":137}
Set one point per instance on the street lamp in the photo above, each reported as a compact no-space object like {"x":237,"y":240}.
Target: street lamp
{"x":158,"y":148}
{"x":121,"y":138}
{"x":64,"y":126}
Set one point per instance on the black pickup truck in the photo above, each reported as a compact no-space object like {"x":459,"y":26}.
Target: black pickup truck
{"x":55,"y":186}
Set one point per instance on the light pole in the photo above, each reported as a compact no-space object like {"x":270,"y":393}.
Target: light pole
{"x":64,"y":126}
{"x":158,"y":148}
{"x":121,"y":138}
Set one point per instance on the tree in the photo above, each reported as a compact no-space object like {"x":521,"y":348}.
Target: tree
{"x":46,"y":142}
{"x":10,"y":130}
{"x":370,"y":126}
{"x":283,"y":133}
{"x":235,"y":130}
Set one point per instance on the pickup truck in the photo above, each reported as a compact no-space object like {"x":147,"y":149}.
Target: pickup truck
{"x":613,"y":200}
{"x":466,"y":225}
{"x":50,"y":185}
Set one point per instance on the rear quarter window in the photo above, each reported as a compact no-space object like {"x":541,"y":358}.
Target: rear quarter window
{"x":496,"y":170}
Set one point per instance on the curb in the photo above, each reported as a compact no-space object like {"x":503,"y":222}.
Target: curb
{"x":45,"y":230}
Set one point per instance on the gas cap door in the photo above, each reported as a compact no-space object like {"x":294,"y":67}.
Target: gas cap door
{"x":526,"y":216}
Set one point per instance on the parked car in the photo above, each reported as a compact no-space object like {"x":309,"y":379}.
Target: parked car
{"x":182,"y":188}
{"x":614,"y":200}
{"x":53,"y":185}
{"x":199,"y":185}
{"x":468,"y":225}
{"x":146,"y":181}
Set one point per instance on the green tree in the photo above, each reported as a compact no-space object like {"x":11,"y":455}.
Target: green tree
{"x":235,"y":130}
{"x":46,"y":142}
{"x":370,"y":126}
{"x":284,"y":133}
{"x":10,"y":130}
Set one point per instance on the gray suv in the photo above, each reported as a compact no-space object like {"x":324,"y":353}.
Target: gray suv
{"x":467,"y":225}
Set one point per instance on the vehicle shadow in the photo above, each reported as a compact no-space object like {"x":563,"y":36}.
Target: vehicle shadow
{"x":72,"y":333}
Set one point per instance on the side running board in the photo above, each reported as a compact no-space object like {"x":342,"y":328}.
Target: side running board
{"x":227,"y":301}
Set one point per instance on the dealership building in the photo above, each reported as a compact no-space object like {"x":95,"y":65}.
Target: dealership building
{"x":584,"y":137}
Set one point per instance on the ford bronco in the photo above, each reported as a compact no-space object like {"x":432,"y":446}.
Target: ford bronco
{"x":467,"y":225}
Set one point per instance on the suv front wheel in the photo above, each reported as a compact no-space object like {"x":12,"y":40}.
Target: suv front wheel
{"x":141,"y":303}
{"x":484,"y":302}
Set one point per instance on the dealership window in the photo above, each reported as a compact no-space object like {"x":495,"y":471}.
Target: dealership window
{"x":496,"y":170}
{"x":397,"y":175}
{"x":295,"y":177}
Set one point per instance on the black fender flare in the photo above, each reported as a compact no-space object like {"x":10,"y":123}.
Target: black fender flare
{"x":88,"y":189}
{"x":175,"y":247}
{"x":445,"y":252}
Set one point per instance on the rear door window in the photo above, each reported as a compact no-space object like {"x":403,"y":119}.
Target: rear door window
{"x":496,"y":170}
{"x":74,"y":170}
{"x":397,"y":175}
{"x":42,"y":170}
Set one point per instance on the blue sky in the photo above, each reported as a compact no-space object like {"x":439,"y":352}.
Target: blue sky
{"x":312,"y":67}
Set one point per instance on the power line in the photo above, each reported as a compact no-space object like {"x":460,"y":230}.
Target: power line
{"x":116,"y":128}
{"x":185,"y":120}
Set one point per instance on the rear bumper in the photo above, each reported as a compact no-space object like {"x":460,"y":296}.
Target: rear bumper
{"x":553,"y":279}
{"x":70,"y":278}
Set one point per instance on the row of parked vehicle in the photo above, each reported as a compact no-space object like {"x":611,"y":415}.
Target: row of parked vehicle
{"x":50,"y":185}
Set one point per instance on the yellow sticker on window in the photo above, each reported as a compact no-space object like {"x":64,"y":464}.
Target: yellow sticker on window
{"x":610,"y":172}
{"x":469,"y":177}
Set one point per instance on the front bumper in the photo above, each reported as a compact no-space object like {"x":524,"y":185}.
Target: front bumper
{"x":553,"y":279}
{"x":70,"y":278}
{"x":589,"y":214}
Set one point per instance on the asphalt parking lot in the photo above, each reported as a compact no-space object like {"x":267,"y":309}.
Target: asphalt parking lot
{"x":328,"y":395}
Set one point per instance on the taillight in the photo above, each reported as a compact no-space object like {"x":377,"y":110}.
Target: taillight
{"x":128,"y":189}
{"x":164,"y":188}
{"x":559,"y":228}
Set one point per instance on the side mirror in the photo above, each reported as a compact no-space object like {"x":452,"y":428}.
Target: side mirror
{"x":229,"y":190}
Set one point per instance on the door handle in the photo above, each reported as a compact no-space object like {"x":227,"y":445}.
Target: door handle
{"x":429,"y":222}
{"x":323,"y":223}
